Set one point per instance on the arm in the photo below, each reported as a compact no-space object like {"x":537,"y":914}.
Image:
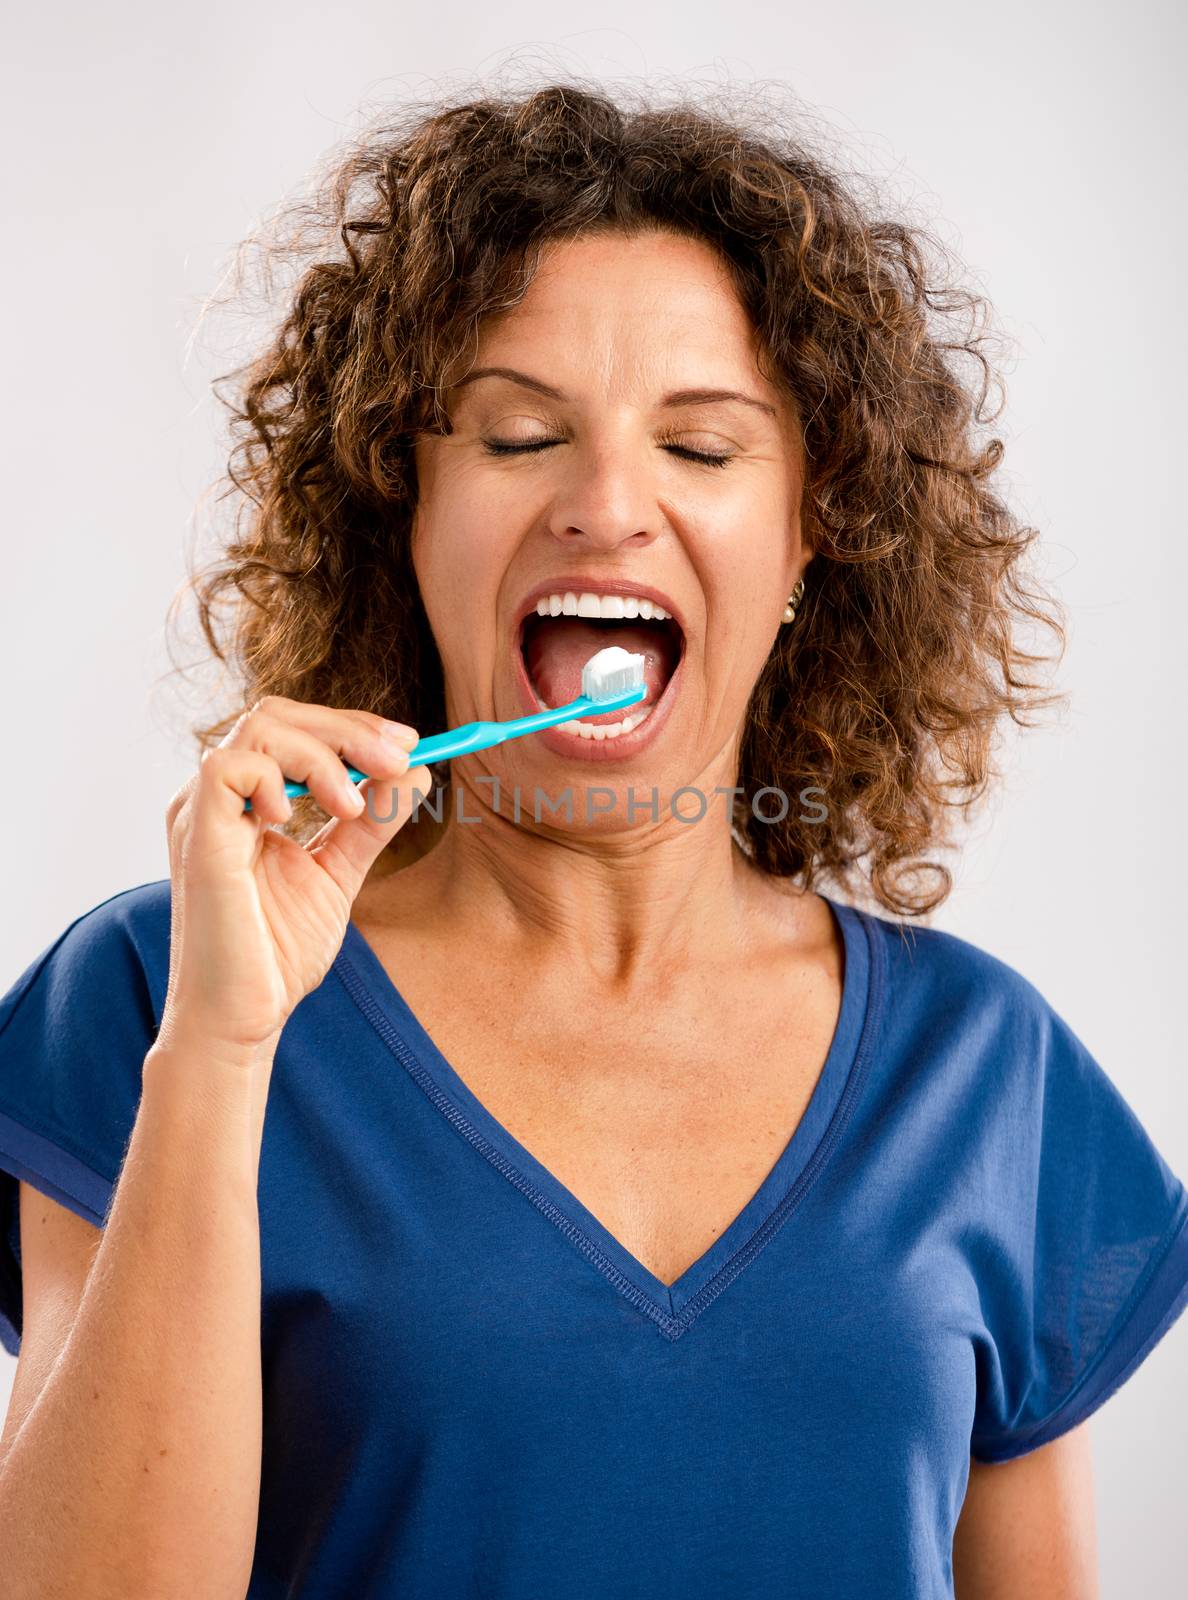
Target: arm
{"x":131,"y":1460}
{"x":1027,"y":1528}
{"x":130,"y":1463}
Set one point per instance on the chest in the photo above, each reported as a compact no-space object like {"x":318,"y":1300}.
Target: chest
{"x":663,"y":1116}
{"x":436,"y":1341}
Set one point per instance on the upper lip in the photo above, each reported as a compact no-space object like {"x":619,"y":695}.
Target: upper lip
{"x":599,"y":586}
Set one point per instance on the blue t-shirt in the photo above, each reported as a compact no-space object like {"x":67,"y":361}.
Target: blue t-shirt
{"x":472,"y":1389}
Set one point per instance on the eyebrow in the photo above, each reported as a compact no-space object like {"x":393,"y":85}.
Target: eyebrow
{"x":679,"y":397}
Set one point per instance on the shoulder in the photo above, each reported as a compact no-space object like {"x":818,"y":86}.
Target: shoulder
{"x":140,"y":912}
{"x":75,"y":1027}
{"x":950,"y":1003}
{"x":121,"y":940}
{"x":138,"y":916}
{"x":932,"y":961}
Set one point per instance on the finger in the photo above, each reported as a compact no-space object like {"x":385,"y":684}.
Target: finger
{"x":352,"y":734}
{"x":315,"y":718}
{"x":316,"y":759}
{"x":346,"y":848}
{"x":226,"y":778}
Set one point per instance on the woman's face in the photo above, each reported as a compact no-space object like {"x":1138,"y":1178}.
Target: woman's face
{"x":613,"y":343}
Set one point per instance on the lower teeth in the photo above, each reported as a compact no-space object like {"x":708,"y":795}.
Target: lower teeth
{"x":606,"y":730}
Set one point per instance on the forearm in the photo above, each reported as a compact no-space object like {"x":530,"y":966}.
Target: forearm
{"x":137,"y":1470}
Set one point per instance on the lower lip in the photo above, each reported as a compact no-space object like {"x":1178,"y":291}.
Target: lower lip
{"x":576,"y":748}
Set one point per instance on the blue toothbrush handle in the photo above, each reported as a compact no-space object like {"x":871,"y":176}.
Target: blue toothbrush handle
{"x":481,"y":735}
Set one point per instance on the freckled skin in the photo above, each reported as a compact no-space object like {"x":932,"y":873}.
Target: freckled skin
{"x":617,"y":914}
{"x":631,"y":923}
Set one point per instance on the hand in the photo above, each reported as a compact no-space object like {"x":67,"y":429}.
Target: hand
{"x":257,"y":917}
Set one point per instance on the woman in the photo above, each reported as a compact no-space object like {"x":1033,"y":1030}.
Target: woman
{"x":553,"y":1191}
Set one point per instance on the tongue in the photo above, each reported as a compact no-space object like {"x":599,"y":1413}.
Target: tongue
{"x":559,"y":648}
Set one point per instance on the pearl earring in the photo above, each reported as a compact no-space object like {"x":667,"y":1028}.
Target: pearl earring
{"x":794,"y":600}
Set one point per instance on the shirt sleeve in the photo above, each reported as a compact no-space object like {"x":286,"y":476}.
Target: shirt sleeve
{"x":1088,"y":1267}
{"x":75,"y":1028}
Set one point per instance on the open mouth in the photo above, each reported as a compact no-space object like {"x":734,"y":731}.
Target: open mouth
{"x":566,"y":628}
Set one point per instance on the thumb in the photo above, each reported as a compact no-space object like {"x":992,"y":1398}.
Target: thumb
{"x":347,"y":846}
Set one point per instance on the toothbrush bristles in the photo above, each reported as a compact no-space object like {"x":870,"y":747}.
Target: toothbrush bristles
{"x":612,"y":671}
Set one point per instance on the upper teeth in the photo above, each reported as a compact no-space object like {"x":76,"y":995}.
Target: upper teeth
{"x":600,"y":605}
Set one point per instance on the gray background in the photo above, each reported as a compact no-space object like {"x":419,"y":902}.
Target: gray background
{"x":1041,"y":141}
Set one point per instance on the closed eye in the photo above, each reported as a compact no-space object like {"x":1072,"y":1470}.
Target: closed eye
{"x":496,"y":447}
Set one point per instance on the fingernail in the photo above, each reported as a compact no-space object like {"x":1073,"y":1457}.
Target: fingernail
{"x":399,"y":753}
{"x":402,"y":733}
{"x":398,"y":741}
{"x":353,"y":798}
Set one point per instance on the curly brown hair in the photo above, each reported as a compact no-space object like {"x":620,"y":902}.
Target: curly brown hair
{"x":888,"y":690}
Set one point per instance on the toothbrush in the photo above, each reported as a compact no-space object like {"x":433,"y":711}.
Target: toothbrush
{"x":611,"y":680}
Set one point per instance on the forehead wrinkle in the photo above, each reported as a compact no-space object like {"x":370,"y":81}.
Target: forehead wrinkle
{"x":583,"y":315}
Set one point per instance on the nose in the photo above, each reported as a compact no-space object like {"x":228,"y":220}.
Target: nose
{"x":608,"y":500}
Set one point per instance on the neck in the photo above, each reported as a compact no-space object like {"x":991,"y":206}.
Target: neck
{"x":620,"y":906}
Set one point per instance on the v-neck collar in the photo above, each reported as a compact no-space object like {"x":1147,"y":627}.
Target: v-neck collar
{"x":672,"y":1307}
